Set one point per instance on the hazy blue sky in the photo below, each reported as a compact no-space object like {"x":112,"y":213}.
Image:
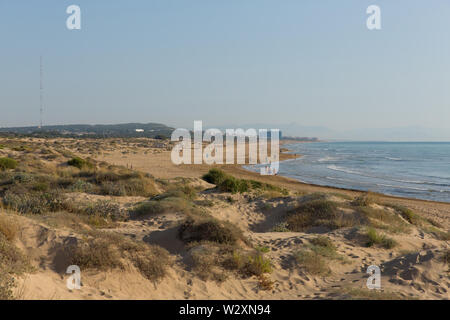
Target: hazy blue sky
{"x":227,"y":62}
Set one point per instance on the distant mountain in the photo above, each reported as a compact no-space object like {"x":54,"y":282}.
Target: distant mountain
{"x":289,"y":129}
{"x":411,"y":133}
{"x":149,"y":130}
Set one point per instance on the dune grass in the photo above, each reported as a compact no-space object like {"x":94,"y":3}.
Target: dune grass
{"x":105,"y":251}
{"x":375,"y":238}
{"x":228,"y":183}
{"x":8,"y":227}
{"x":199,"y":228}
{"x":318,"y":212}
{"x":7,"y":163}
{"x":80,"y":163}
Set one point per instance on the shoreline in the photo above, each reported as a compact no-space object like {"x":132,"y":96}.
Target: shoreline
{"x":286,"y":151}
{"x":159,"y":165}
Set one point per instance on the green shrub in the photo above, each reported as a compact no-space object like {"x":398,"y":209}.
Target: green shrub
{"x":7,"y":284}
{"x":8,"y":227}
{"x":34,"y":202}
{"x":312,"y":262}
{"x":209,"y":229}
{"x":364,"y":200}
{"x":12,"y":260}
{"x":407,"y":214}
{"x":7,"y":163}
{"x":233,"y":185}
{"x":104,"y":209}
{"x":281,"y":227}
{"x":317,"y":213}
{"x":323,"y":241}
{"x":94,"y":254}
{"x":82,"y":186}
{"x":215,"y":176}
{"x":256,"y":265}
{"x":228,"y":183}
{"x":185,"y":192}
{"x":133,"y":187}
{"x":79,"y":163}
{"x":376,"y":239}
{"x":384,"y":219}
{"x":107,"y":250}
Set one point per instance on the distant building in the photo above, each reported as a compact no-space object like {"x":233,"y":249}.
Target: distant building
{"x":139,"y":130}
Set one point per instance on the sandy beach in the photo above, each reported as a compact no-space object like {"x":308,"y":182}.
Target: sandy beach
{"x":317,"y":262}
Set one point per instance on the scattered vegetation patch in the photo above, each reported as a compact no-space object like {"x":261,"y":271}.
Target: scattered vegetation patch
{"x":23,"y":201}
{"x":265,"y":283}
{"x":176,"y":200}
{"x":316,"y":213}
{"x":197,"y":229}
{"x":438,"y":234}
{"x":366,"y":294}
{"x":384,"y":219}
{"x":256,"y":265}
{"x":8,"y":227}
{"x":228,"y":183}
{"x":312,"y":262}
{"x":80,"y":163}
{"x":364,"y":200}
{"x":407,"y":214}
{"x":105,"y":251}
{"x":12,"y":262}
{"x":95,"y":254}
{"x":7,"y":163}
{"x":313,"y":257}
{"x":281,"y":227}
{"x":374,"y":238}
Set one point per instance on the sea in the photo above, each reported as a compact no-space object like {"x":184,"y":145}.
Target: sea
{"x":418,"y":170}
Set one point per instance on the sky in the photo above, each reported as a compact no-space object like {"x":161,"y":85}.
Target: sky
{"x":228,"y":63}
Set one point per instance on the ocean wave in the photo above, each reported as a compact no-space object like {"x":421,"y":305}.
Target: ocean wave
{"x":404,"y":187}
{"x":424,"y":182}
{"x":327,"y":159}
{"x":341,"y":169}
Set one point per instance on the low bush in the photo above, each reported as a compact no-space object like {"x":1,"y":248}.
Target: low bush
{"x":318,"y":213}
{"x":107,"y":250}
{"x":7,"y":163}
{"x":407,"y":214}
{"x":104,"y":209}
{"x":364,"y":200}
{"x":228,"y":183}
{"x":312,"y":262}
{"x":79,"y":163}
{"x":215,"y":176}
{"x":132,"y":187}
{"x":8,"y":227}
{"x":34,"y":202}
{"x":374,"y":238}
{"x":209,"y":229}
{"x":384,"y":219}
{"x":256,"y":265}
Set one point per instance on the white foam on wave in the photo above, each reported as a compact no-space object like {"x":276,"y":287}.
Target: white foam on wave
{"x":341,"y":169}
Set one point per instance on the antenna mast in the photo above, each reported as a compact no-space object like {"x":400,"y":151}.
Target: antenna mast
{"x":41,"y":93}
